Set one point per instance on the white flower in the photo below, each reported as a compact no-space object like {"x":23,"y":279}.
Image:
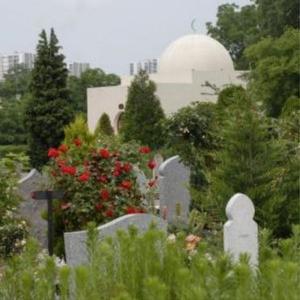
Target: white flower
{"x":171,"y":238}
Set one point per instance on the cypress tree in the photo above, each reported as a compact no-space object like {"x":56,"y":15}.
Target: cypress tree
{"x":104,"y":126}
{"x":247,"y":161}
{"x":143,"y":113}
{"x":48,"y":109}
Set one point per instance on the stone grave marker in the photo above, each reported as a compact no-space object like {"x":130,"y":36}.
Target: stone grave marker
{"x":173,"y":180}
{"x":75,"y":242}
{"x":240,"y":231}
{"x":32,"y":210}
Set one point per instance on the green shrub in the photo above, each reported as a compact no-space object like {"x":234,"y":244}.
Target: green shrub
{"x":6,"y":149}
{"x":78,"y":129}
{"x":104,"y":126}
{"x":148,"y":267}
{"x":13,"y":231}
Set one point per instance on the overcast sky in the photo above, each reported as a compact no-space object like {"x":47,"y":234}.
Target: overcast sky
{"x":106,"y":33}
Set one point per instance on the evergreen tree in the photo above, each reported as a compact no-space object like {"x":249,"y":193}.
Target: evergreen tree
{"x":104,"y":126}
{"x":143,"y":113}
{"x":247,"y":161}
{"x":48,"y":109}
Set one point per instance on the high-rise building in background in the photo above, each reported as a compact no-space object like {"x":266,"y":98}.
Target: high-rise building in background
{"x":17,"y":58}
{"x":148,"y":65}
{"x":75,"y":69}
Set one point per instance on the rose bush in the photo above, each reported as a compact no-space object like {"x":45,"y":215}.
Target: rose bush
{"x":99,"y":182}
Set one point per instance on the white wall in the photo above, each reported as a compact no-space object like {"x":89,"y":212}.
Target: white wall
{"x":172,"y":95}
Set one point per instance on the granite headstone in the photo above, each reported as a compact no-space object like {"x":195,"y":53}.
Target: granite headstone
{"x":174,"y":195}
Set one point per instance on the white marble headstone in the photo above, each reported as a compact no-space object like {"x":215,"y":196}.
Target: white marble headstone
{"x":173,"y":180}
{"x":240,"y":231}
{"x":75,"y":242}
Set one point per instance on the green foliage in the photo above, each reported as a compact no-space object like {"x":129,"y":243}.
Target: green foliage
{"x":48,"y":109}
{"x":150,"y":267}
{"x":229,"y":96}
{"x":6,"y":149}
{"x":12,"y":131}
{"x":247,"y":161}
{"x":275,"y":78}
{"x":190,"y":134}
{"x":78,"y":129}
{"x":13,"y":231}
{"x":143,"y":113}
{"x":104,"y":126}
{"x":235,"y":29}
{"x":274,"y":16}
{"x":16,"y":83}
{"x":89,"y":78}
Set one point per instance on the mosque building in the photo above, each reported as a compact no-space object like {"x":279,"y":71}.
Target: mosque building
{"x":190,"y":69}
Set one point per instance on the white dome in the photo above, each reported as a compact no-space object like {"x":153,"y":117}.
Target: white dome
{"x":195,"y":52}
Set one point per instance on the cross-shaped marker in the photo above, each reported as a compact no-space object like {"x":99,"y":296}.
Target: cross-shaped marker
{"x":49,"y":196}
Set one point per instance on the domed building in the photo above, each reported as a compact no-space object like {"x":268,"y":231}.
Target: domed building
{"x":192,"y":68}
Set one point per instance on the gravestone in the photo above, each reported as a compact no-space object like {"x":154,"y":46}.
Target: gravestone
{"x":75,"y":242}
{"x":31,"y":210}
{"x":174,"y":195}
{"x":240,"y":231}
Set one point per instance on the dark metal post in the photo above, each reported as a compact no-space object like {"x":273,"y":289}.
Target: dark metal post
{"x":49,"y":196}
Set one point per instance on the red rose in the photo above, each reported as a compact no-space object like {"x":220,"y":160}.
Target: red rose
{"x":133,"y":210}
{"x":98,"y":206}
{"x":130,"y":210}
{"x":127,"y":167}
{"x":52,"y":152}
{"x":77,"y":142}
{"x":104,"y":153}
{"x":151,"y":164}
{"x":103,"y":179}
{"x":68,"y":170}
{"x":84,"y":177}
{"x":64,"y":206}
{"x":145,"y":150}
{"x":63,"y":148}
{"x":104,"y":194}
{"x":118,"y":165}
{"x":109,"y":213}
{"x":116,"y":173}
{"x":126,"y":184}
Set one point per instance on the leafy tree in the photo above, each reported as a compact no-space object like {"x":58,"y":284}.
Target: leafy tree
{"x":235,"y":29}
{"x":190,"y":133}
{"x":16,"y":83}
{"x":274,"y":16}
{"x":89,"y":78}
{"x":229,"y":96}
{"x":275,"y":77}
{"x":48,"y":109}
{"x":143,"y":113}
{"x":104,"y":126}
{"x":12,"y":130}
